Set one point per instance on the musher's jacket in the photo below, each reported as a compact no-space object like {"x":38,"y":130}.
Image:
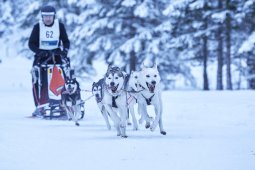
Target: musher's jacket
{"x":36,"y":43}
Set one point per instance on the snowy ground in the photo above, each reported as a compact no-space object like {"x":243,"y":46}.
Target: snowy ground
{"x":205,"y":131}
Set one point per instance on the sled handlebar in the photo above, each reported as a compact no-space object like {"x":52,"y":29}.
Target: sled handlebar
{"x":52,"y":54}
{"x":47,"y":65}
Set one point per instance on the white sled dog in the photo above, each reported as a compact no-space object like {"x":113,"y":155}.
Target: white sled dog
{"x":114,"y":99}
{"x":98,"y":92}
{"x":149,"y":80}
{"x":133,"y":89}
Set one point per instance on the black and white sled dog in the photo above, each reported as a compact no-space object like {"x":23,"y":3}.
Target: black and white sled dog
{"x":114,"y":99}
{"x":97,"y":91}
{"x":131,"y":87}
{"x":150,"y":94}
{"x":71,"y":100}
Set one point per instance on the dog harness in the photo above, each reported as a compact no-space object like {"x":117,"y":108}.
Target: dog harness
{"x":49,"y":36}
{"x":148,"y":101}
{"x":114,"y":101}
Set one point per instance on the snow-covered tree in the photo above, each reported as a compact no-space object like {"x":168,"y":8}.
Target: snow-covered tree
{"x":177,"y":34}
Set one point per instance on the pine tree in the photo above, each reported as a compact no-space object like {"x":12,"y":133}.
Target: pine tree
{"x":219,"y":38}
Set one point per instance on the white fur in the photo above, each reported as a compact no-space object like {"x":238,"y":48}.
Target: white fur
{"x":114,"y":88}
{"x":133,"y":90}
{"x":149,"y":79}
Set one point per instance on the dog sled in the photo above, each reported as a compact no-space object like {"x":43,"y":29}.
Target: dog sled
{"x":48,"y":82}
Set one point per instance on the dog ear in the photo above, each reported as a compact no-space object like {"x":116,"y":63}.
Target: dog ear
{"x":155,"y":65}
{"x":143,"y":66}
{"x":109,"y":67}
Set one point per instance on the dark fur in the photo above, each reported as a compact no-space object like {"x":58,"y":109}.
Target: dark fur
{"x":71,"y":96}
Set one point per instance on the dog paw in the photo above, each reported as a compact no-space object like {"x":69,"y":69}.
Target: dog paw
{"x":124,"y":136}
{"x":147,"y":125}
{"x":163,"y":132}
{"x":128,"y":122}
{"x":77,"y":124}
{"x":152,"y":128}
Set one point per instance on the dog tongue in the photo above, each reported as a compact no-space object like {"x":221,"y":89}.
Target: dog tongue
{"x":151,"y":87}
{"x":114,"y":89}
{"x":98,"y":99}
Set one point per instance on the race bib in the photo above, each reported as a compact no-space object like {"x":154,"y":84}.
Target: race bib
{"x":49,"y":36}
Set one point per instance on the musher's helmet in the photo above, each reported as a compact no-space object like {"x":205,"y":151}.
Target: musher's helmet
{"x":48,"y":10}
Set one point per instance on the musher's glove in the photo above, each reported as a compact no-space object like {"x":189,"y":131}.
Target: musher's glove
{"x":43,"y":53}
{"x":57,"y":51}
{"x":61,"y":53}
{"x":64,"y":53}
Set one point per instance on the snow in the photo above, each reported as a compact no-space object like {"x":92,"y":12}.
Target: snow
{"x":142,"y":10}
{"x":171,"y":10}
{"x":248,"y":44}
{"x":205,"y":131}
{"x":199,"y":4}
{"x":128,"y":3}
{"x":220,"y":16}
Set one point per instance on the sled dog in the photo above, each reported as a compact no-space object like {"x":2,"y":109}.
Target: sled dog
{"x":115,"y":97}
{"x":97,"y":91}
{"x":71,"y":100}
{"x":149,"y":81}
{"x":133,"y":89}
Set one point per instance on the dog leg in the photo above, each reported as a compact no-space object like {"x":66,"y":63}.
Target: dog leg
{"x":123,"y":132}
{"x":128,"y":121}
{"x":123,"y":121}
{"x":115,"y":118}
{"x":77,"y":114}
{"x":71,"y":111}
{"x":131,"y":110}
{"x":145,"y":116}
{"x":68,"y":111}
{"x":105,"y":115}
{"x":162,"y":131}
{"x":140,"y":111}
{"x":157,"y":117}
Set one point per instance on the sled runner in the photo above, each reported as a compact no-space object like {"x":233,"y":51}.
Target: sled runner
{"x":49,"y":80}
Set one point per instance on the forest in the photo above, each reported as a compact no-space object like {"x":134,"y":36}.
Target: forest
{"x":179,"y":35}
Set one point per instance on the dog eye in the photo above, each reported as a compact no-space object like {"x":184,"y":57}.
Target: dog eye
{"x":155,"y":75}
{"x":147,"y":76}
{"x":136,"y":77}
{"x":116,"y":78}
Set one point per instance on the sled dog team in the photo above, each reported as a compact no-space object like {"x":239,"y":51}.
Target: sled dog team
{"x":117,"y":93}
